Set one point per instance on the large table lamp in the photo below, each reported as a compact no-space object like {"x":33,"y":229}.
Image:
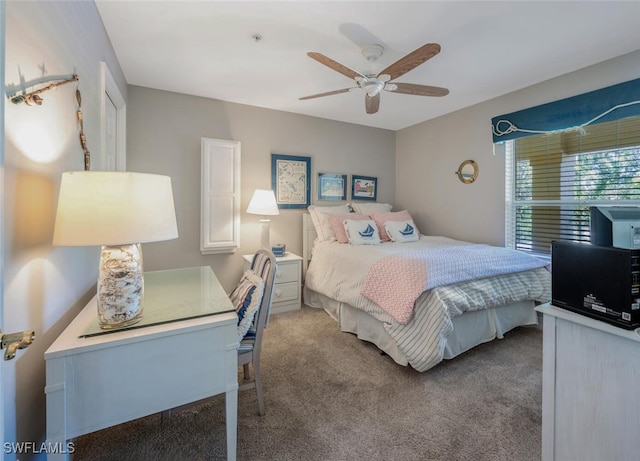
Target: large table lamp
{"x":264,"y":203}
{"x":117,"y":211}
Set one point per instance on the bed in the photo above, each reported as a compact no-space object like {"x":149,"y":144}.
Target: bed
{"x":444,"y":320}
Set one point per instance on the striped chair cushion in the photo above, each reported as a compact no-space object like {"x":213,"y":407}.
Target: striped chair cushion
{"x":248,"y":341}
{"x":261,"y":265}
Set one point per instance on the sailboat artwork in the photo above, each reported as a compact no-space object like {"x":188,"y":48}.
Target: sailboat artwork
{"x":368,"y":232}
{"x":408,"y":230}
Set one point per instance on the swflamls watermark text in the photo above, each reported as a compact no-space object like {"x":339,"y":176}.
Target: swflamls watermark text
{"x":37,"y":447}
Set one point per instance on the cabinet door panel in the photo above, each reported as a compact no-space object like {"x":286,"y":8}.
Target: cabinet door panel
{"x":220,"y":231}
{"x":220,"y":199}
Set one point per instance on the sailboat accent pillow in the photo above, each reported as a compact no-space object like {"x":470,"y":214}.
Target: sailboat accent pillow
{"x":402,"y":231}
{"x":362,"y":232}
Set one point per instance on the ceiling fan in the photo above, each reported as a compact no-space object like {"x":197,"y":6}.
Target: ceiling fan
{"x":374,"y":84}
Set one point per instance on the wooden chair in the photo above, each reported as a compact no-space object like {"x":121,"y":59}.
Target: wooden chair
{"x":264,"y":265}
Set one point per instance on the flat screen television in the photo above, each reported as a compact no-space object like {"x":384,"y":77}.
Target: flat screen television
{"x":600,"y":282}
{"x":615,"y":226}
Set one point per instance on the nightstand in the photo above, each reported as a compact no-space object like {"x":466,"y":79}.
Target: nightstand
{"x":287,"y":290}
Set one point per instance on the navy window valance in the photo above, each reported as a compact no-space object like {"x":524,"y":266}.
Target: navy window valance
{"x":607,"y":104}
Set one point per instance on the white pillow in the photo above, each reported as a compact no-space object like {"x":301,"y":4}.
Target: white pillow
{"x":362,"y":232}
{"x":402,"y":231}
{"x":320,"y":219}
{"x":370,"y":208}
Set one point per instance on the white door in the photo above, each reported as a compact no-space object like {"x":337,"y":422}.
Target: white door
{"x":111,"y":139}
{"x":113,"y":121}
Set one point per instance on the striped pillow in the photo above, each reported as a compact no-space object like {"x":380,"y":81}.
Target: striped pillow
{"x":320,"y":219}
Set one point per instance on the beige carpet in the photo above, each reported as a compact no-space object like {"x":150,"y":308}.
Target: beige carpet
{"x":330,"y":396}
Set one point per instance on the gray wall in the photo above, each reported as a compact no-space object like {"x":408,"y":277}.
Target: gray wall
{"x":427,"y":155}
{"x":44,"y":287}
{"x":163,"y":136}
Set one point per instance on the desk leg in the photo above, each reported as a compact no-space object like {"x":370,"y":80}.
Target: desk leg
{"x":231,"y":404}
{"x":57,"y":447}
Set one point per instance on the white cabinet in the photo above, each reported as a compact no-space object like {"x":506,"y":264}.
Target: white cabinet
{"x":220,"y":199}
{"x":287,"y":288}
{"x":590,"y":374}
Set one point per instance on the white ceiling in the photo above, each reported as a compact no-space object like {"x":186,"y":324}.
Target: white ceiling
{"x":205,"y":48}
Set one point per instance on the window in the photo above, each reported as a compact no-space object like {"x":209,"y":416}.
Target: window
{"x":553,"y":179}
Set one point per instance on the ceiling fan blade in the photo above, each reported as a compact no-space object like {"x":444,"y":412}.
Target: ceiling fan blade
{"x":418,"y":90}
{"x":328,"y":93}
{"x":335,"y":65}
{"x":372,"y":103}
{"x":411,"y":61}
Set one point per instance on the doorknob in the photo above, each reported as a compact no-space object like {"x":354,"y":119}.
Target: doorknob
{"x":13,"y":341}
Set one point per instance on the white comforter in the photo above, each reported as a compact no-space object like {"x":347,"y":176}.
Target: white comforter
{"x":339,"y":272}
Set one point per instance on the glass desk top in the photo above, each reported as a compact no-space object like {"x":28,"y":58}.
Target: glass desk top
{"x":174,"y":295}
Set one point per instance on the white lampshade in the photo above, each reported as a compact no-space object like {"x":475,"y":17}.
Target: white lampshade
{"x":118,"y":211}
{"x":114,"y":208}
{"x":263,"y":202}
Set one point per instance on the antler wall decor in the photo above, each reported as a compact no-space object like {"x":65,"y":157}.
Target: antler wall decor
{"x":83,"y":138}
{"x":18,"y":93}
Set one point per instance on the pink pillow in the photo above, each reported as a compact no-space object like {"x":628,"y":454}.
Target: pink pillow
{"x":337,"y":224}
{"x":381,"y":218}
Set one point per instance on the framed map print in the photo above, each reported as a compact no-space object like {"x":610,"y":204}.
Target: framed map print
{"x":291,"y":180}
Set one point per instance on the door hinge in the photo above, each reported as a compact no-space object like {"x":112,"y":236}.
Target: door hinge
{"x":14,"y":341}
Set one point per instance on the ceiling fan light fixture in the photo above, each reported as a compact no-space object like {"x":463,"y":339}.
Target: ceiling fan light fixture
{"x":373,"y":87}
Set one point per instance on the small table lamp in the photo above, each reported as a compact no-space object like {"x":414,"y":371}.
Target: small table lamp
{"x":264,"y":203}
{"x":118,"y":211}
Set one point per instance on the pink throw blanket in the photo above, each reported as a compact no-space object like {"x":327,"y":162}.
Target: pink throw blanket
{"x":395,"y":282}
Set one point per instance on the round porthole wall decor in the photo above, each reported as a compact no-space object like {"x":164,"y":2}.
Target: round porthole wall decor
{"x":468,"y":171}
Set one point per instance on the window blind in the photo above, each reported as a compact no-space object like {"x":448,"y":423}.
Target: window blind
{"x":552,"y":180}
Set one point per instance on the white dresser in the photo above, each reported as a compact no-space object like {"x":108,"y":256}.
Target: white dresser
{"x":590,"y":379}
{"x":287,"y":291}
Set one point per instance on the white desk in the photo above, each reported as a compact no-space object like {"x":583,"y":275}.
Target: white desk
{"x":100,"y":381}
{"x":590,"y":374}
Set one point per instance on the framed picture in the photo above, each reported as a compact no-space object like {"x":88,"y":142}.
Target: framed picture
{"x":364,"y":187}
{"x":290,"y":179}
{"x":332,"y":186}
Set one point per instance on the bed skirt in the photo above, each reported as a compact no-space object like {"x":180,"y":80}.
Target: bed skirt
{"x":469,"y":329}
